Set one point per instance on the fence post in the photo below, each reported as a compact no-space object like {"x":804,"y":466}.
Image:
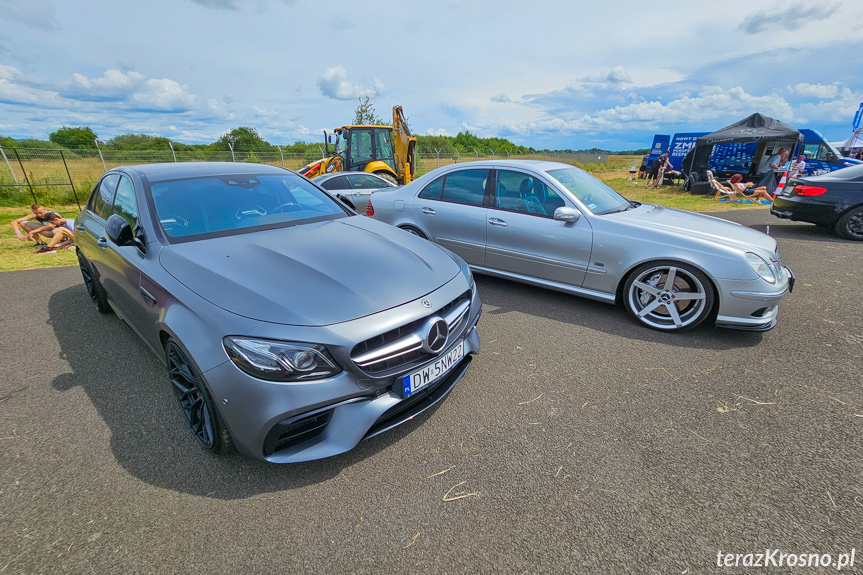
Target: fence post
{"x":231,"y":145}
{"x":322,"y":152}
{"x":172,"y":153}
{"x":492,"y":154}
{"x":100,"y":155}
{"x":282,"y":155}
{"x":26,"y":179}
{"x":438,"y":156}
{"x":477,"y":153}
{"x":507,"y":154}
{"x":8,"y":165}
{"x":74,"y":192}
{"x":457,"y":156}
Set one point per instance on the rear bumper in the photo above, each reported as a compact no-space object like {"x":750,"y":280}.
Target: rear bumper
{"x":794,"y":209}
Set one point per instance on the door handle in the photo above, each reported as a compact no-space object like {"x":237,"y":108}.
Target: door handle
{"x":80,"y":227}
{"x":497,"y":222}
{"x":428,"y":211}
{"x":102,"y":242}
{"x":148,"y":297}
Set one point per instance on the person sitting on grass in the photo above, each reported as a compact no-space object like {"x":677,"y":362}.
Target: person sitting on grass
{"x":25,"y":227}
{"x":760,"y":192}
{"x":64,"y":235}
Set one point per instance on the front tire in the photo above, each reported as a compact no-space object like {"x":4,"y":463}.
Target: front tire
{"x":668,"y":296}
{"x":94,"y":286}
{"x":195,"y":401}
{"x":850,"y":225}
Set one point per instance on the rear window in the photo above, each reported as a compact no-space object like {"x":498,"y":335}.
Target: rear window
{"x":223,"y":205}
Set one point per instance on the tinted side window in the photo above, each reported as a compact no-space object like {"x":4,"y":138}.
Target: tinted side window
{"x":433,"y":190}
{"x":519,"y":192}
{"x":465,"y":187}
{"x":365,"y":182}
{"x":103,"y":195}
{"x":124,"y":202}
{"x":339,"y":183}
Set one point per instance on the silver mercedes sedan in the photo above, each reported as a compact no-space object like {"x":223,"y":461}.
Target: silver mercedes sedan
{"x":290,"y":326}
{"x":555,"y":226}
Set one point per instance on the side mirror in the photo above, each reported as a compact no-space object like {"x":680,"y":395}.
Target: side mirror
{"x":568,"y":215}
{"x":119,"y":231}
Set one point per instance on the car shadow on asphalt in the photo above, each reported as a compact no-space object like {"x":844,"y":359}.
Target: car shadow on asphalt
{"x":508,"y":296}
{"x":129,"y":388}
{"x":798,"y":231}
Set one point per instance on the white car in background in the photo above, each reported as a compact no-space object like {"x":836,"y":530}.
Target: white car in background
{"x":354,"y":188}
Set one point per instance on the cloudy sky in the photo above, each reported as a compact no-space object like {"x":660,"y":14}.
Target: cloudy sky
{"x":547,"y":74}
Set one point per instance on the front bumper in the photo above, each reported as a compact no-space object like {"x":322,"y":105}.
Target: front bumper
{"x":292,"y":422}
{"x":752,"y":305}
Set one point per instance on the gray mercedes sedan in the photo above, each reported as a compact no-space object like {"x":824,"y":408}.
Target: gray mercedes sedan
{"x":291,"y":328}
{"x":555,"y":226}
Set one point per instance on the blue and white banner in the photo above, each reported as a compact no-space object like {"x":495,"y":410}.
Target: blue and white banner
{"x":680,"y":146}
{"x":856,"y":123}
{"x":660,"y":145}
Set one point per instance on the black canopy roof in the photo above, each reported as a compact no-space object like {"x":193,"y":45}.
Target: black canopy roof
{"x":755,"y":128}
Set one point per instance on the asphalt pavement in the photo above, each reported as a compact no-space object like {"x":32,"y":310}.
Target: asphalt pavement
{"x":578,"y":442}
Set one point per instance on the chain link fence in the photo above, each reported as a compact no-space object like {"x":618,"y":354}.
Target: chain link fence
{"x":60,"y":176}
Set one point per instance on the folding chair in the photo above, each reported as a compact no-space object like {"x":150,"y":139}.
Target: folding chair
{"x":722,"y":192}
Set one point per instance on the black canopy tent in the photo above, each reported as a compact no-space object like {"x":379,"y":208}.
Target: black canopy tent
{"x":756,"y":128}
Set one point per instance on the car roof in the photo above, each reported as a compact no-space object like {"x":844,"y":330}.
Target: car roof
{"x":538,"y":165}
{"x":173,"y":171}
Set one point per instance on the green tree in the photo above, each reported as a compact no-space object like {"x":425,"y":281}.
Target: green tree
{"x":79,"y":138}
{"x":244,"y":139}
{"x":138,"y":142}
{"x":365,"y":114}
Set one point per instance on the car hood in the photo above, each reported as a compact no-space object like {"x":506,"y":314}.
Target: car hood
{"x":700,"y":227}
{"x":311,"y":274}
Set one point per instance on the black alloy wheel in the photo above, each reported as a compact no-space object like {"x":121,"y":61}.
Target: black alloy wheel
{"x":195,"y":402}
{"x":850,"y":225}
{"x":94,"y":287}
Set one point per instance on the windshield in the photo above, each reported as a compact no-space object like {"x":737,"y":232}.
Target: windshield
{"x":221,"y":205}
{"x":596,"y":196}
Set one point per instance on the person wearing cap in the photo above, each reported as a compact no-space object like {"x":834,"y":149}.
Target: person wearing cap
{"x":798,"y":167}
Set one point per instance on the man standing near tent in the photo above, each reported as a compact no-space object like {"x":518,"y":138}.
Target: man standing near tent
{"x":768,"y":177}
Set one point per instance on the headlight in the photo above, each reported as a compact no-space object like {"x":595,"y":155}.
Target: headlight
{"x":280,"y":360}
{"x":761,"y":267}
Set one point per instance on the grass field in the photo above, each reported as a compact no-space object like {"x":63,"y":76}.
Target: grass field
{"x":17,"y":255}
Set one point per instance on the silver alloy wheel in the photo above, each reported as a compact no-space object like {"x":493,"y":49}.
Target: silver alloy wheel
{"x":667,"y":297}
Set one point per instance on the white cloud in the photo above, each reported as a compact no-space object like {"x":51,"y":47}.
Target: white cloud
{"x":136,"y":90}
{"x":787,"y":17}
{"x":37,"y":14}
{"x":501,"y":98}
{"x":8,"y":72}
{"x":437,"y":132}
{"x":820,"y":91}
{"x":334,"y":84}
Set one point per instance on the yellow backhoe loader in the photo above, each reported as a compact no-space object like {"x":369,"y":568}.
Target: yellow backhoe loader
{"x":388,"y":151}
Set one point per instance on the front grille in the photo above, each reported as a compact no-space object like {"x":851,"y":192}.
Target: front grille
{"x":394,"y":350}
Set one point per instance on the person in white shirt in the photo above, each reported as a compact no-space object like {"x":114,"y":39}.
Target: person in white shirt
{"x":798,"y":167}
{"x":64,"y":235}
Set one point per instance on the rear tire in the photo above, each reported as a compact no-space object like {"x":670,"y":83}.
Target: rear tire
{"x":94,"y":286}
{"x":195,"y":402}
{"x":414,"y":231}
{"x":668,"y":296}
{"x":850,"y":225}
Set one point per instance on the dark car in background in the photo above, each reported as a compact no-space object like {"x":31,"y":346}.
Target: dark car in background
{"x":833,"y":200}
{"x":290,"y":326}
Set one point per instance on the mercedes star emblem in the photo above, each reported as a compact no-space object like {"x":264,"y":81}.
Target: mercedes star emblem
{"x":436,"y":337}
{"x":426,"y":303}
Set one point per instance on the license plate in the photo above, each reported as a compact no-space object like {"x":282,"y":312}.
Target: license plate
{"x":432,"y":372}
